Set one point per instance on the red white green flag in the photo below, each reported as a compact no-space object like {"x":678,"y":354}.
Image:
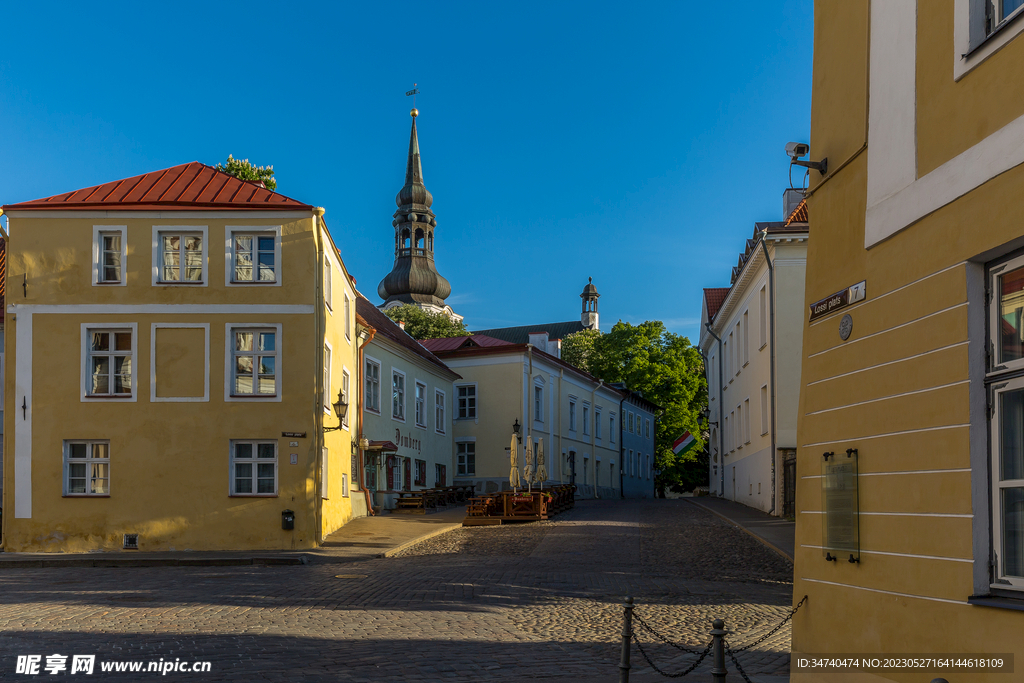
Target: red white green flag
{"x":684,"y":443}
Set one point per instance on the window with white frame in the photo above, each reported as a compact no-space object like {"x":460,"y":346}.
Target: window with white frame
{"x":439,"y":423}
{"x":611,"y":428}
{"x":345,"y":396}
{"x":253,"y":468}
{"x":181,"y":257}
{"x":597,"y":422}
{"x":648,"y":468}
{"x":398,"y":395}
{"x":746,"y":339}
{"x":109,"y":362}
{"x":254,"y":353}
{"x":631,"y":472}
{"x":762,"y":317}
{"x":586,"y":418}
{"x":327,"y":378}
{"x":764,"y":410}
{"x":324,"y":471}
{"x":328,"y":282}
{"x":253,"y":256}
{"x":725,"y":357}
{"x":465,"y":458}
{"x":109,"y":254}
{"x":348,"y":317}
{"x":538,"y":404}
{"x":87,"y":468}
{"x":421,"y":404}
{"x":746,"y":423}
{"x":372,"y":389}
{"x":572,"y":414}
{"x":354,"y":468}
{"x":467,"y":402}
{"x":739,"y":426}
{"x":629,"y":422}
{"x":736,"y":349}
{"x":647,"y":428}
{"x":1006,"y":386}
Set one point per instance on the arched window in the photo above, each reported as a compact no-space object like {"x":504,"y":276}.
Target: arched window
{"x":419,"y":238}
{"x":430,"y":240}
{"x":405,"y":238}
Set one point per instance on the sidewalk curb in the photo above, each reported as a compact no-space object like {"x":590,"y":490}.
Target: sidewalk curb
{"x":774,"y":547}
{"x":419,"y":539}
{"x":79,"y":561}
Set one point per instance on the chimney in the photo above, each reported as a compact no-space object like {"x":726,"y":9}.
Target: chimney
{"x":401,"y":323}
{"x":791,"y":199}
{"x":540,"y":340}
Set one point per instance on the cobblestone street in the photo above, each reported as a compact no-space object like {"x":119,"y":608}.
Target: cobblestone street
{"x":519,"y":602}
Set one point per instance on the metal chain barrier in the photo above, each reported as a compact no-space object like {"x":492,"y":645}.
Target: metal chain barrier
{"x":630,"y":634}
{"x":774,"y":630}
{"x":654,"y":666}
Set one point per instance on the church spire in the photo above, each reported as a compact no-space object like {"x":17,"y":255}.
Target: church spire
{"x":414,"y":279}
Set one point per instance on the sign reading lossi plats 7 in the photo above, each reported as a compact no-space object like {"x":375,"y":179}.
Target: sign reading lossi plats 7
{"x":834,"y":302}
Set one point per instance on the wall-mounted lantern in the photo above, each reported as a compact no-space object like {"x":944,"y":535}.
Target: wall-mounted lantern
{"x":340,"y":409}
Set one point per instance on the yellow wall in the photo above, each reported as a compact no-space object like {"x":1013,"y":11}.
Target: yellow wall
{"x":899,"y":389}
{"x":169,"y":460}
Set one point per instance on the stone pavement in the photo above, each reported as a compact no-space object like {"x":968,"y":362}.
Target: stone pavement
{"x":361,"y":539}
{"x":777,"y":533}
{"x":513,"y":602}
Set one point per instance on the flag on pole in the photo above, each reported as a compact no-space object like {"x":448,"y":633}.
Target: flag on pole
{"x":684,"y":443}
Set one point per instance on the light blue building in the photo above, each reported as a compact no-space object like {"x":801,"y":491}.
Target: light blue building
{"x":639,"y":425}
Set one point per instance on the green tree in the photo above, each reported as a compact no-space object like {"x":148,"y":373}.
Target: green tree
{"x":243,"y":170}
{"x":578,"y":348}
{"x":422,"y":324}
{"x":668,"y":371}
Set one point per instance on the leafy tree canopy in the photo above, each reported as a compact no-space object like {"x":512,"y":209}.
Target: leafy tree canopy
{"x":578,"y":348}
{"x":243,"y":170}
{"x":668,"y":371}
{"x":422,"y":324}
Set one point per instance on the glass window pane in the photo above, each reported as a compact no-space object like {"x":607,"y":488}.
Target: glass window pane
{"x":266,"y":244}
{"x":100,"y":450}
{"x":100,"y":470}
{"x":243,"y":450}
{"x":243,"y":385}
{"x":171,"y":242}
{"x":243,"y":485}
{"x":243,"y":273}
{"x":1011,"y":306}
{"x":112,"y":243}
{"x":193,"y":243}
{"x":122,"y":375}
{"x":111,"y":274}
{"x":77,"y":450}
{"x":123,"y":341}
{"x":1013,"y":531}
{"x":100,"y":378}
{"x":100,"y":341}
{"x":76,"y":485}
{"x":1009,"y":6}
{"x":266,"y":341}
{"x":243,"y":470}
{"x":268,"y":385}
{"x":265,"y":470}
{"x":1011,"y":427}
{"x":101,"y":486}
{"x":265,"y":450}
{"x":243,"y":365}
{"x":243,"y":243}
{"x":77,"y":470}
{"x":243,"y":341}
{"x":267,"y":364}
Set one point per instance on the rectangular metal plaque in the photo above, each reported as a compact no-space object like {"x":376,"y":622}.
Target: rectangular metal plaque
{"x":294,"y":435}
{"x":850,"y":295}
{"x":841,"y":527}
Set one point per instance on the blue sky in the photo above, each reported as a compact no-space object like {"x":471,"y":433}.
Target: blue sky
{"x":635,"y":143}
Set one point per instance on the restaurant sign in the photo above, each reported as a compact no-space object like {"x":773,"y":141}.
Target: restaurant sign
{"x":834,"y":302}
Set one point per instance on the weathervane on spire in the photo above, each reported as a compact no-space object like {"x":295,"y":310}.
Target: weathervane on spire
{"x":414,"y":92}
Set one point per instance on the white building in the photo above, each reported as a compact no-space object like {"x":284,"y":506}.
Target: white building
{"x":751,"y":338}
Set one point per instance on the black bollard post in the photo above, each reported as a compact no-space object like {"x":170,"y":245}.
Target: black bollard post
{"x":718,"y":671}
{"x":627,"y":634}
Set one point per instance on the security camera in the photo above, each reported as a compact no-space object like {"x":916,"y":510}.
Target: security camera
{"x":795,"y":150}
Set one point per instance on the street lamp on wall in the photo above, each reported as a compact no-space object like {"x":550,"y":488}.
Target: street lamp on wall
{"x":706,"y":414}
{"x":340,"y":409}
{"x":515,"y":430}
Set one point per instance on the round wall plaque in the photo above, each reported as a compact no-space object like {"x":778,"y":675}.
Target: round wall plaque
{"x":845,"y":327}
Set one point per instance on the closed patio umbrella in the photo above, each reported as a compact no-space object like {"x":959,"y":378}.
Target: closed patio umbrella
{"x":542,"y":471}
{"x":513,"y":475}
{"x":528,"y":464}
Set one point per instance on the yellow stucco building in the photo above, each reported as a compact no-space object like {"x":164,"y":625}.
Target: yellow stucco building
{"x":175,"y":347}
{"x":913,"y":378}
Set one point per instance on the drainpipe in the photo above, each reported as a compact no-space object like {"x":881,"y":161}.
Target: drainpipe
{"x":721,"y":410}
{"x":593,"y":435}
{"x":527,"y":424}
{"x":558,"y":397}
{"x":320,"y":336}
{"x":361,"y":379}
{"x":771,"y":357}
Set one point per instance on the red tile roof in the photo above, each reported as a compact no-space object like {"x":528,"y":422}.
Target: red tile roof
{"x":189,"y":186}
{"x":715,"y":296}
{"x":373,"y":317}
{"x":799,"y":214}
{"x":453,"y":343}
